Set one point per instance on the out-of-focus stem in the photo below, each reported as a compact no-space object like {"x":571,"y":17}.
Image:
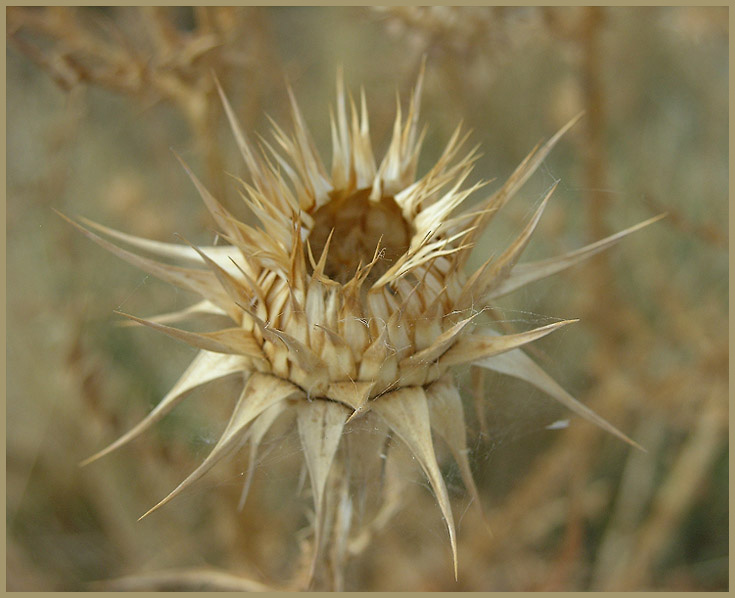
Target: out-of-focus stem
{"x":595,"y":116}
{"x":676,"y":495}
{"x":598,"y":270}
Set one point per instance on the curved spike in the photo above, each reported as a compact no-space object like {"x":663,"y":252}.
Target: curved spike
{"x":220,"y":254}
{"x":263,"y":327}
{"x":412,"y":119}
{"x":517,"y":364}
{"x":306,"y":154}
{"x":407,"y":413}
{"x":525,"y":273}
{"x":486,"y":344}
{"x":230,"y":284}
{"x":252,"y":163}
{"x":235,"y":341}
{"x":258,"y":429}
{"x":321,"y":264}
{"x":433,"y":217}
{"x":260,"y":392}
{"x":201,"y":282}
{"x":297,"y":269}
{"x":205,"y":368}
{"x":363,"y":151}
{"x":221,"y":216}
{"x":390,"y":168}
{"x":159,"y":248}
{"x":440,"y":345}
{"x":519,"y":177}
{"x":495,"y":272}
{"x":343,"y":134}
{"x":203,"y":308}
{"x":447,"y":420}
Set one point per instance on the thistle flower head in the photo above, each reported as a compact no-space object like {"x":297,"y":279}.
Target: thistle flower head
{"x":351,"y":298}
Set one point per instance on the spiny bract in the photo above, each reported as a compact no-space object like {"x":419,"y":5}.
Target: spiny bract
{"x":351,"y":300}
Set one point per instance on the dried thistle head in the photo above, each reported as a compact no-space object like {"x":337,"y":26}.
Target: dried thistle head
{"x":351,"y":300}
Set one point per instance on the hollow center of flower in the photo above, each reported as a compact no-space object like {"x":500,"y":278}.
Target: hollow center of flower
{"x":359,"y":224}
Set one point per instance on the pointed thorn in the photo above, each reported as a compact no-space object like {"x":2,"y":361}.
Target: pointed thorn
{"x":354,"y":414}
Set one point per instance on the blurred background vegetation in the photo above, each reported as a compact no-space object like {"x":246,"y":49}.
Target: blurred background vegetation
{"x":95,"y":99}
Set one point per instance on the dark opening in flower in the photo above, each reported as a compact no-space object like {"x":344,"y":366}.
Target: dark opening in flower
{"x":359,"y":226}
